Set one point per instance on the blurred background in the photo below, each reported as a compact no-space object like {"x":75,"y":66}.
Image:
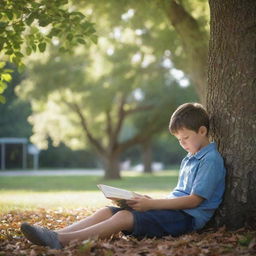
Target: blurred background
{"x":107,"y":105}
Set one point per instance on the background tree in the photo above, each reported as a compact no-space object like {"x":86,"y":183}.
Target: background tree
{"x":179,"y":26}
{"x":231,"y":104}
{"x":96,"y":99}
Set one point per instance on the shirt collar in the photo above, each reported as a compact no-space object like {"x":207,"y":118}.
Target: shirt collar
{"x":203,"y":151}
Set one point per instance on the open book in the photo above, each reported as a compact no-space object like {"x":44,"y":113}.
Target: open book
{"x":116,"y":193}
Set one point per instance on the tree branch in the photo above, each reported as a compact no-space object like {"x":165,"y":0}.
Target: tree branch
{"x":109,"y":128}
{"x":138,"y":109}
{"x":194,"y":41}
{"x":77,"y":110}
{"x":121,"y":116}
{"x":142,"y":136}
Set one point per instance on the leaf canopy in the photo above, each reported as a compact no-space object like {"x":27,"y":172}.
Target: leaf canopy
{"x":29,"y":26}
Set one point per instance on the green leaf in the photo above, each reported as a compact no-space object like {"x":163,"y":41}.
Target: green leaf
{"x":17,"y":13}
{"x":44,"y":21}
{"x":30,"y":19}
{"x":16,"y":45}
{"x":2,"y":64}
{"x":2,"y":39}
{"x":28,"y":51}
{"x":19,"y":54}
{"x":62,"y":2}
{"x":19,"y":27}
{"x":9,"y":52}
{"x":21,"y":67}
{"x":26,"y":10}
{"x":1,"y":45}
{"x":3,"y":24}
{"x":6,"y":77}
{"x":9,"y":14}
{"x":3,"y":86}
{"x":86,"y":25}
{"x":7,"y":70}
{"x":94,"y":39}
{"x":81,"y":41}
{"x":54,"y":32}
{"x":77,"y":14}
{"x":2,"y":99}
{"x":90,"y":30}
{"x":16,"y":60}
{"x":33,"y":46}
{"x":42,"y":47}
{"x":69,"y":36}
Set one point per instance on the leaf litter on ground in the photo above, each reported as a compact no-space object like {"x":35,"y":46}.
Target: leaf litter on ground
{"x":210,"y":242}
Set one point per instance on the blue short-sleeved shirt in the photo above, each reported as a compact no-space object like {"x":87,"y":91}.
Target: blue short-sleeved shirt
{"x":202,"y":174}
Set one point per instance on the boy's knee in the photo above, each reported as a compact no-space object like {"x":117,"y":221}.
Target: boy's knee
{"x":124,"y":215}
{"x":124,"y":219}
{"x":105,"y":211}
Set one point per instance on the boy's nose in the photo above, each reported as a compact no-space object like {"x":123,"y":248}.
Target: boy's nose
{"x":182,"y":143}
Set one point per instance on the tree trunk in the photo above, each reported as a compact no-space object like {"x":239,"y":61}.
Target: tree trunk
{"x":194,"y":42}
{"x":231,"y":102}
{"x":111,"y":166}
{"x":147,"y":156}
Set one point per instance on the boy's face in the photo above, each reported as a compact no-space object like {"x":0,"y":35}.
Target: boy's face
{"x":192,"y":141}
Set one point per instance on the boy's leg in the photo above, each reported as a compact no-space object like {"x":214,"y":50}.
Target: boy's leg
{"x":95,"y":218}
{"x":122,"y":220}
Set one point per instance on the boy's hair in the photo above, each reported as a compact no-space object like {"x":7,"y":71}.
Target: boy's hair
{"x":190,"y":116}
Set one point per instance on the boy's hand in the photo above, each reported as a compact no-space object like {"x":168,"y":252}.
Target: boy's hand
{"x":120,"y":203}
{"x":140,"y":203}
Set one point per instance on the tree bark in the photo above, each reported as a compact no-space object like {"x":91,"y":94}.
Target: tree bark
{"x":111,"y":166}
{"x":147,"y":156}
{"x":195,"y":45}
{"x":231,"y":104}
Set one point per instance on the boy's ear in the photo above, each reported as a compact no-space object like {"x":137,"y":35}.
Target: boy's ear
{"x":202,"y":130}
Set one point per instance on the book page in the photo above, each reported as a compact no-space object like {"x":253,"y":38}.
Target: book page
{"x":116,"y":193}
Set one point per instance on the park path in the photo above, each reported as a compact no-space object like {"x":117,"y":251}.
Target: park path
{"x":70,"y":172}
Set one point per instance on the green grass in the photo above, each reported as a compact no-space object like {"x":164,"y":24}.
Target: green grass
{"x":31,"y":192}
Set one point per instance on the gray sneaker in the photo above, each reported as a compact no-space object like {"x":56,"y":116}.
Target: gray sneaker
{"x":41,"y":236}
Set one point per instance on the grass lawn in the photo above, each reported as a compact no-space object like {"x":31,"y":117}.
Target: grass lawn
{"x":72,"y":192}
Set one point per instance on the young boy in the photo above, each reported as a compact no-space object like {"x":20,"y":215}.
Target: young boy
{"x":188,"y":207}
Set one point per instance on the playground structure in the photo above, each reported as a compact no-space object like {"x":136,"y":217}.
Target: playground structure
{"x":26,"y":149}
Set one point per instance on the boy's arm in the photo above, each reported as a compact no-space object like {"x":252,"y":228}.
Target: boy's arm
{"x":179,"y":203}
